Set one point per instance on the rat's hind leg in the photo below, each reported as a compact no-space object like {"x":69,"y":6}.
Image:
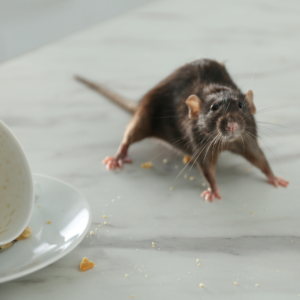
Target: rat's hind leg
{"x":137,"y":129}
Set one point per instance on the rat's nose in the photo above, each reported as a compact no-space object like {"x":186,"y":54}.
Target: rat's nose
{"x":232,"y":126}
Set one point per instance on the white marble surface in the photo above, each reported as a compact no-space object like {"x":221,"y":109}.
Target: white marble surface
{"x":67,"y":129}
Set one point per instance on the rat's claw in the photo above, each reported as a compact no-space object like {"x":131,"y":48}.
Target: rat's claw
{"x":277,"y":181}
{"x":113,"y":163}
{"x":208,"y":195}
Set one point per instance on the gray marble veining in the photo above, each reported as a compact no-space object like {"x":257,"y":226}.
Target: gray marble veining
{"x":250,"y":237}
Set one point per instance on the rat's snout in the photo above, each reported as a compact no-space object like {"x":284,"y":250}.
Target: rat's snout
{"x":232,"y":126}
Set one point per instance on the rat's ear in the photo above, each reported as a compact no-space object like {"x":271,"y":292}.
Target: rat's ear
{"x":194,"y":104}
{"x":249,"y":99}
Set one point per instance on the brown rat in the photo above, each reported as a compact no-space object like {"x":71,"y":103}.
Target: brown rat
{"x":199,"y":110}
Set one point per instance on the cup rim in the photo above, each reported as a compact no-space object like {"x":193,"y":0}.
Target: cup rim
{"x":28,"y":175}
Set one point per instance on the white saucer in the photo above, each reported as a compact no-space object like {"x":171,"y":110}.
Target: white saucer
{"x":70,"y":216}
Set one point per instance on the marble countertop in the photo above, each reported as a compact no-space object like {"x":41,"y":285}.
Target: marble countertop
{"x":250,"y":237}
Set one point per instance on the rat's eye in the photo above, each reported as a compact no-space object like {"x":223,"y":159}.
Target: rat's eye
{"x":215,"y":106}
{"x":241,"y":105}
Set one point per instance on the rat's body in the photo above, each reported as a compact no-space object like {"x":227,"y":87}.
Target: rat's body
{"x":199,"y":110}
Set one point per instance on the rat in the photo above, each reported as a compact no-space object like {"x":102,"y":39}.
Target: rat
{"x":199,"y":110}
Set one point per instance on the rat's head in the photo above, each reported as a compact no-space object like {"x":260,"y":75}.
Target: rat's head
{"x":225,"y":112}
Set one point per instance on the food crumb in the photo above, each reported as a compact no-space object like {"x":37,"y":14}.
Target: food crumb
{"x":257,"y":284}
{"x":146,"y":275}
{"x":251,"y":212}
{"x":25,"y":234}
{"x":277,"y":270}
{"x":165,"y":161}
{"x":48,"y":222}
{"x":186,"y":159}
{"x":39,"y":206}
{"x":192,"y":178}
{"x":198,"y":265}
{"x":91,"y":233}
{"x":104,"y":216}
{"x":171,"y":188}
{"x":126,"y":275}
{"x":201,"y":285}
{"x":147,"y":165}
{"x":197,"y":260}
{"x":86,"y":264}
{"x":235,"y":283}
{"x":132,"y":296}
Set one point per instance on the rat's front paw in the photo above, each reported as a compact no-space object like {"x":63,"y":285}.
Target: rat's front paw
{"x":210,"y":195}
{"x":277,"y":181}
{"x":113,"y":163}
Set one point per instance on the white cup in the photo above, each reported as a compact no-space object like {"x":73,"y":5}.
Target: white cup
{"x":16,"y":187}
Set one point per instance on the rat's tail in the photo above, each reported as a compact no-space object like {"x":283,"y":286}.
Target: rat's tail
{"x":127,"y":104}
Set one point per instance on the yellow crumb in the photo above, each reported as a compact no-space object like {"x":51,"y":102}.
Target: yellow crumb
{"x":165,"y":161}
{"x":277,"y":270}
{"x":91,"y":233}
{"x":86,"y":264}
{"x":5,"y":246}
{"x":251,"y":213}
{"x":153,"y":243}
{"x":198,"y":265}
{"x":48,"y":222}
{"x":39,"y":206}
{"x":147,"y":165}
{"x":132,"y":296}
{"x":235,"y":283}
{"x":126,"y":275}
{"x":104,"y":216}
{"x":171,"y":188}
{"x":146,"y":275}
{"x":197,"y":259}
{"x":257,"y":284}
{"x":201,"y":285}
{"x":25,"y":234}
{"x":192,"y":178}
{"x":186,"y":159}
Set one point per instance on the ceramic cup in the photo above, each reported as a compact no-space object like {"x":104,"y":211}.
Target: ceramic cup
{"x":16,"y":187}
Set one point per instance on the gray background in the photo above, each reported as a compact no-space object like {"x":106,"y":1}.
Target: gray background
{"x":27,"y":24}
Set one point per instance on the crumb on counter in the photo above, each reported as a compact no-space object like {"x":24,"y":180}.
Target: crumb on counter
{"x":2,"y":247}
{"x":235,"y":283}
{"x":132,"y":296}
{"x":197,"y":260}
{"x":186,"y":159}
{"x":25,"y":234}
{"x":126,"y":275}
{"x":104,"y":216}
{"x":251,"y":212}
{"x":147,"y":165}
{"x":192,"y":178}
{"x":171,"y":188}
{"x":257,"y":284}
{"x":198,"y":265}
{"x":201,"y":285}
{"x":86,"y":264}
{"x":165,"y":161}
{"x":91,"y":233}
{"x":48,"y":222}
